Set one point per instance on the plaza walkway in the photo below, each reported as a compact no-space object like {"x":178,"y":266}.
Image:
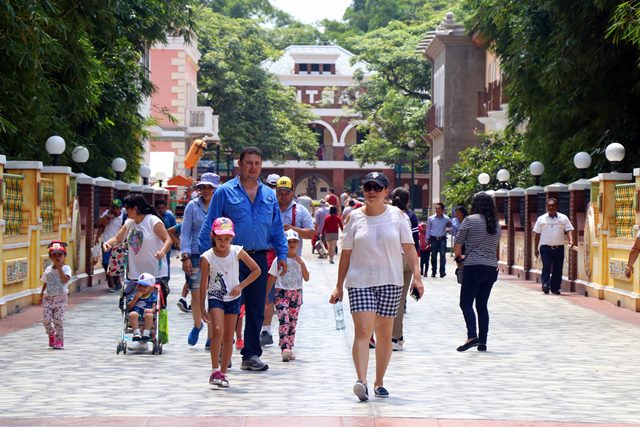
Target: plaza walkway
{"x":550,"y":360}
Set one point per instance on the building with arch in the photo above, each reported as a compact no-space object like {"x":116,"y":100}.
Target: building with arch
{"x":323,"y":78}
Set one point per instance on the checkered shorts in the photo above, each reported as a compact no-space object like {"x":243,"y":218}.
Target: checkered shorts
{"x":383,"y":300}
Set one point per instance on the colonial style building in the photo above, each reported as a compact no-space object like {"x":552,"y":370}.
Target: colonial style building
{"x":173,"y":69}
{"x":323,"y":78}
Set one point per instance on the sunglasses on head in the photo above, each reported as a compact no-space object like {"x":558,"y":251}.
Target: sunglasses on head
{"x":372,"y":187}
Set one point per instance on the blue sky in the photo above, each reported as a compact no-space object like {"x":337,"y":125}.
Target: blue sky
{"x":309,"y":11}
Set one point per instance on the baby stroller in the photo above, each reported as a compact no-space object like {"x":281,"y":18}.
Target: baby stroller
{"x":128,"y":291}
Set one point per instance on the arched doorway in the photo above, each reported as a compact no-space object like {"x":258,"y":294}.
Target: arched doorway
{"x":327,"y":139}
{"x":314,"y":185}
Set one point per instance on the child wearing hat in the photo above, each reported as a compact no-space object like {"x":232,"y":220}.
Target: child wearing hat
{"x":288,"y":298}
{"x":220,"y":275}
{"x":53,"y":295}
{"x":142,"y":306}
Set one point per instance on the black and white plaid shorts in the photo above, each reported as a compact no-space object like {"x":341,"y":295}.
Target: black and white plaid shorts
{"x":383,"y":300}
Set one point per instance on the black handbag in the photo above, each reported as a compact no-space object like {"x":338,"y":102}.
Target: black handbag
{"x":460,"y":272}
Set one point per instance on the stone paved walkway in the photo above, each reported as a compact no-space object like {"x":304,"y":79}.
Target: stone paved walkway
{"x":548,"y":360}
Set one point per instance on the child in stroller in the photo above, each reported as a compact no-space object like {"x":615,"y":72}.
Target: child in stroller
{"x":142,"y":305}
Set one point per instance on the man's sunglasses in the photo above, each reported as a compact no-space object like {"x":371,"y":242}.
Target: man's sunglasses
{"x":372,"y":187}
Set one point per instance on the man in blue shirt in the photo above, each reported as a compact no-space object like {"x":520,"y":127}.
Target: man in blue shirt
{"x":168,"y":219}
{"x":254,"y":210}
{"x":437,"y":235}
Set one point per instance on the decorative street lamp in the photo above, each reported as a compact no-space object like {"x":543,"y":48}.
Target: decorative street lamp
{"x":484,"y":179}
{"x":615,"y":154}
{"x":537,"y":169}
{"x":160,"y":176}
{"x":55,"y":146}
{"x":80,"y":155}
{"x":145,"y":173}
{"x":119,"y":165}
{"x":503,"y":176}
{"x":582,"y":161}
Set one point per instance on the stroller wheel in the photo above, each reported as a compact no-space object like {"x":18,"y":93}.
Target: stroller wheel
{"x":118,"y":348}
{"x":159,"y":348}
{"x":124,"y":348}
{"x":155,"y":348}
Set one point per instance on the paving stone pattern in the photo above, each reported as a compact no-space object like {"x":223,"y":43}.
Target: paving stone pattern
{"x":548,"y":360}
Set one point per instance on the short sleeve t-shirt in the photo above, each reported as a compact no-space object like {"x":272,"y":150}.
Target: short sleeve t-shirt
{"x":376,"y":245}
{"x":54,"y":284}
{"x":552,"y":229}
{"x":224,"y":274}
{"x":147,"y":301}
{"x":292,"y":279}
{"x":480,"y":246}
{"x":143,"y":244}
{"x":111,"y":229}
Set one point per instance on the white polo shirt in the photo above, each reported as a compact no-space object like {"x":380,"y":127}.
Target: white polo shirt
{"x":552,"y":230}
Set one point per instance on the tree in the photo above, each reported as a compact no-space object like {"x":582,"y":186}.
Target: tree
{"x":573,"y":87}
{"x":252,"y":104}
{"x":496,"y":151}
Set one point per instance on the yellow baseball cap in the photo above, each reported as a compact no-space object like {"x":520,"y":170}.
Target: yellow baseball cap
{"x":284,"y":182}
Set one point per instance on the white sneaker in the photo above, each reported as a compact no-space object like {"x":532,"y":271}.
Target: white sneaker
{"x":397,"y":345}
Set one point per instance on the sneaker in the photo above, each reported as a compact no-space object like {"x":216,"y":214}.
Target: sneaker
{"x":146,"y":338}
{"x":265,"y":338}
{"x":253,"y":364}
{"x":207,"y":345}
{"x":239,"y":344}
{"x":215,"y":378}
{"x":381,"y":392}
{"x":58,"y":345}
{"x":137,"y":336}
{"x":182,"y":305}
{"x":224,"y":382}
{"x":372,"y":342}
{"x":52,"y":340}
{"x":286,"y":355}
{"x":193,"y":335}
{"x":397,"y":345}
{"x":360,"y":390}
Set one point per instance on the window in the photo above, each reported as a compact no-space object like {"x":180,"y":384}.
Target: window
{"x":326,"y":68}
{"x":315,"y":68}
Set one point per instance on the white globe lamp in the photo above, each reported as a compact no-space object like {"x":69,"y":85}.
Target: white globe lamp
{"x":615,"y":154}
{"x":582,"y":161}
{"x":537,"y":169}
{"x":55,"y":146}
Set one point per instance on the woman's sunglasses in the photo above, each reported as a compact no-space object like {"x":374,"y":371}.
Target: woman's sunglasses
{"x":372,"y":187}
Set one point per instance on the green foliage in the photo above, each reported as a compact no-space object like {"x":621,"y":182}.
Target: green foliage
{"x":495,"y":152}
{"x":73,"y":68}
{"x":573,"y":87}
{"x":253,"y":106}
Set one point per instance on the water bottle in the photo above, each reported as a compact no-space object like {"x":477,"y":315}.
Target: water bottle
{"x":338,"y":313}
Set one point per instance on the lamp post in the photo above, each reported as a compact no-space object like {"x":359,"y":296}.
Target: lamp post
{"x":228,"y":151}
{"x":80,"y":155}
{"x":582,"y":161}
{"x":615,"y":154}
{"x":55,"y":146}
{"x":483,"y":179}
{"x":145,"y":173}
{"x":160,"y":176}
{"x":119,"y":165}
{"x":412,"y":145}
{"x":503,"y":176}
{"x":537,"y":169}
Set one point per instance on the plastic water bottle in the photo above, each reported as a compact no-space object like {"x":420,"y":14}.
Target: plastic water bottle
{"x":338,"y":313}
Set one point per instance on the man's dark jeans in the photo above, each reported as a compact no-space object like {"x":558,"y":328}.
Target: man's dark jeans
{"x":254,"y":297}
{"x":477,"y":283}
{"x":438,"y":246}
{"x":552,"y":263}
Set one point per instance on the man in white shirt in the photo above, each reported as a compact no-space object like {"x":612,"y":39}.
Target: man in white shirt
{"x":107,"y":227}
{"x":550,"y":230}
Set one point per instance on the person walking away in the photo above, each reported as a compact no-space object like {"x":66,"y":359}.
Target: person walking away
{"x":321,"y":213}
{"x":371,"y":269}
{"x":550,"y":230}
{"x":480,"y":234}
{"x":330,"y":229}
{"x":437,"y":235}
{"x":107,"y":226}
{"x":333,"y":200}
{"x":400,"y":199}
{"x":220,"y":268}
{"x":294,"y":217}
{"x":53,"y":295}
{"x":147,"y":239}
{"x":305,"y":201}
{"x":289,"y":294}
{"x":169,"y":220}
{"x":425,"y":249}
{"x":253,"y":208}
{"x":195,"y":214}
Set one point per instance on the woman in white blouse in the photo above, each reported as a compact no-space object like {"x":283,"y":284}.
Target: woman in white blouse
{"x":371,"y":269}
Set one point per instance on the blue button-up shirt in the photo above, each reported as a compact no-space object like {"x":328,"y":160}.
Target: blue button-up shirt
{"x":438,"y":226}
{"x":258,"y":225}
{"x":303,"y":219}
{"x":194,"y":216}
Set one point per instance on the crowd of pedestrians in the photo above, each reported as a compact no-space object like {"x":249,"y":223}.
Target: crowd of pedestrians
{"x":240,"y":246}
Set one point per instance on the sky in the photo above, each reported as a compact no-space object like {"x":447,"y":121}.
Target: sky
{"x":309,"y":11}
